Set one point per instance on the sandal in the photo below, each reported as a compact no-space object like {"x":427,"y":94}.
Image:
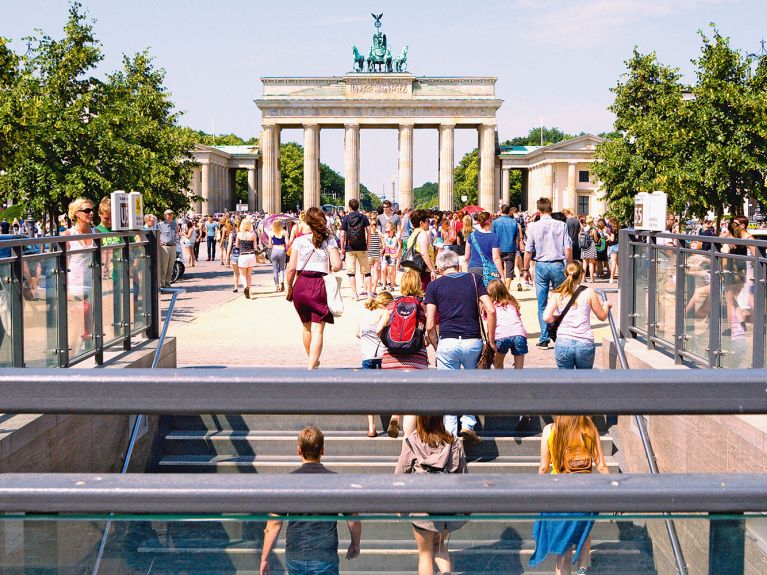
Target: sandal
{"x":393,"y":430}
{"x":372,"y":434}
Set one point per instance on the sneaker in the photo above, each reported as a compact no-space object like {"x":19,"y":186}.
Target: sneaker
{"x":470,"y":437}
{"x":542,"y":344}
{"x":582,"y":571}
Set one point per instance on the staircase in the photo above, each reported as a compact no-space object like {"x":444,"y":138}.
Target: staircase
{"x":267,"y":444}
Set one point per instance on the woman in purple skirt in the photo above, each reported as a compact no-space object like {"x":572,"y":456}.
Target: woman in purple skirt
{"x":312,"y":257}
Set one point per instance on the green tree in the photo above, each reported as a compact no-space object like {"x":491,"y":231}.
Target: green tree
{"x":465,"y":179}
{"x":426,"y":196}
{"x":533,"y":138}
{"x":648,"y":104}
{"x":79,"y":136}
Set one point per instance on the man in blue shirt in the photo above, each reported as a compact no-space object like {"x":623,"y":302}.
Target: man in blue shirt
{"x":507,"y":230}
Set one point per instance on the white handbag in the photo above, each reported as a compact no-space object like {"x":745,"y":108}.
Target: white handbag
{"x":333,"y":290}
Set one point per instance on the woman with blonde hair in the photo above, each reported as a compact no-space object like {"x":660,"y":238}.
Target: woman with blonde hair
{"x":312,"y":257}
{"x":246,"y":244}
{"x":371,"y":348}
{"x":569,"y":445}
{"x":574,"y":347}
{"x":411,"y":301}
{"x":234,"y":253}
{"x":224,"y":229}
{"x":278,"y":243}
{"x":79,"y":277}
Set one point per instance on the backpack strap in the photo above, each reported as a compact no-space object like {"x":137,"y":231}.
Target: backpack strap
{"x":579,"y":290}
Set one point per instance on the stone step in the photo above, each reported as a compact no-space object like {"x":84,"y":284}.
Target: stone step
{"x":295,"y":423}
{"x":220,"y":533}
{"x":229,"y":442}
{"x":617,"y":557}
{"x":337,"y":463}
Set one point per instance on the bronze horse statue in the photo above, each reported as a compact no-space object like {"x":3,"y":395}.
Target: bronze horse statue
{"x":359,"y":60}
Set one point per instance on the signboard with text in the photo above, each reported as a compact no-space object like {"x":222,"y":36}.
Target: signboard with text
{"x":120,"y":212}
{"x":136,"y":210}
{"x":650,"y":211}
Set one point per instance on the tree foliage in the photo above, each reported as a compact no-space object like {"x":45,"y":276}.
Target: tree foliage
{"x":704,"y":145}
{"x":75,"y":135}
{"x":533,"y":137}
{"x":426,"y":196}
{"x":465,"y":179}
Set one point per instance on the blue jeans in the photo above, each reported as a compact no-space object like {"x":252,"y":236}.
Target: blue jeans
{"x":574,"y":354}
{"x":454,"y":353}
{"x":547,"y":275}
{"x":211,"y":247}
{"x":371,"y":364}
{"x":296,"y":567}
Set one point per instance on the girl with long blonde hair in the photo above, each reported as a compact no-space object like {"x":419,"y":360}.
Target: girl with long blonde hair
{"x":569,"y":445}
{"x":278,"y":243}
{"x":574,"y":348}
{"x":371,"y":348}
{"x":246,"y":243}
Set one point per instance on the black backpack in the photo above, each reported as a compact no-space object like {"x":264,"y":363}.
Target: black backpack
{"x":355,"y":232}
{"x":585,"y":241}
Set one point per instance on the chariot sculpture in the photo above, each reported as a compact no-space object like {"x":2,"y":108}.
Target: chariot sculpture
{"x":379,"y":58}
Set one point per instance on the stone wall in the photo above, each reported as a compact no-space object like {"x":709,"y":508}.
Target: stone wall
{"x":693,"y":444}
{"x":35,"y":443}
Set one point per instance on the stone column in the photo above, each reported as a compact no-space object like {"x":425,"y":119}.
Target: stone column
{"x":268,"y":170}
{"x":311,"y":166}
{"x":277,"y":198}
{"x":497,"y":176}
{"x":532,"y":197}
{"x":487,"y":167}
{"x":446,"y":165}
{"x":405,"y":166}
{"x":569,"y":201}
{"x":505,"y":185}
{"x":548,"y":181}
{"x":351,"y":163}
{"x":205,"y":189}
{"x":252,"y":189}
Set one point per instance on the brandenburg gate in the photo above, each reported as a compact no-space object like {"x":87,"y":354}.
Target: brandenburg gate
{"x":358,"y":101}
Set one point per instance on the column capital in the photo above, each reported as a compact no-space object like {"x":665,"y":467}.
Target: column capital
{"x":505,"y":168}
{"x":310,"y":126}
{"x":352,"y":125}
{"x":446,"y":126}
{"x":406,"y":125}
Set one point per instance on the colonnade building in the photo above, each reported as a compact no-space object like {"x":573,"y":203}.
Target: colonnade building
{"x":401,"y":102}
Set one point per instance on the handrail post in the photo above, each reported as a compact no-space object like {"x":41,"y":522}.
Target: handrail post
{"x":16,"y":286}
{"x":714,"y":318}
{"x":98,"y":303}
{"x":62,"y":319}
{"x":153,"y":330}
{"x":760,"y":298}
{"x":652,"y":290}
{"x":126,"y":294}
{"x":626,"y":278}
{"x":679,"y":305}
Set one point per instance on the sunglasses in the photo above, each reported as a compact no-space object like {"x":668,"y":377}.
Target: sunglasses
{"x":86,"y":210}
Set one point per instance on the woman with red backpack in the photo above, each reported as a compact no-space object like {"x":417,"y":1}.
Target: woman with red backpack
{"x":402,"y":329}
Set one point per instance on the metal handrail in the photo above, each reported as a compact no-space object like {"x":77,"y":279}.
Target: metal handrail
{"x":652,"y":462}
{"x":140,"y":417}
{"x":56,"y":273}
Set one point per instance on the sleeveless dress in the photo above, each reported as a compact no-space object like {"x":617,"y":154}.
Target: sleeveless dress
{"x":559,"y":536}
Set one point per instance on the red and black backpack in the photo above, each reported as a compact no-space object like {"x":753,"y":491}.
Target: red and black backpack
{"x":405,"y":334}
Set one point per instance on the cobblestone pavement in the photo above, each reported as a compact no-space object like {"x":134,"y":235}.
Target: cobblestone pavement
{"x":218,"y":328}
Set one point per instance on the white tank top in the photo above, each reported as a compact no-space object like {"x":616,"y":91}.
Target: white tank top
{"x":577,"y":323}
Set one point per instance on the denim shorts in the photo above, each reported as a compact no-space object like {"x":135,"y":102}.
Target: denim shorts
{"x":371,"y":364}
{"x":515,"y":344}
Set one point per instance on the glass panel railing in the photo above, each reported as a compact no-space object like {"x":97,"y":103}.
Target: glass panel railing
{"x":736,"y":312}
{"x":665,"y":295}
{"x":508,"y":544}
{"x":112,"y":294}
{"x":697,"y":305}
{"x":41,"y":313}
{"x":641,"y":265}
{"x":139,"y":274}
{"x":6,"y":316}
{"x":80,"y":334}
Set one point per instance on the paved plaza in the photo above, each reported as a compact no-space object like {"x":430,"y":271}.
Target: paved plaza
{"x":218,"y":328}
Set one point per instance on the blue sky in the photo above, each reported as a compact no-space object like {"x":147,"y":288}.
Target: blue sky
{"x":553,"y":58}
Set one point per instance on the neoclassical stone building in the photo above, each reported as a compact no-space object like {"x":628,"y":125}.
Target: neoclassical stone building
{"x":405,"y":103}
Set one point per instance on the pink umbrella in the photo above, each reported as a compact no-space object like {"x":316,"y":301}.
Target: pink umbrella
{"x":265,"y":228}
{"x":473,"y":210}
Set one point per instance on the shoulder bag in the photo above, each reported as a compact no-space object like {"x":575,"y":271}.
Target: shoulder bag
{"x":489,"y":271}
{"x":333,"y":290}
{"x":487,"y":355}
{"x":412,"y":258}
{"x":554,"y":326}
